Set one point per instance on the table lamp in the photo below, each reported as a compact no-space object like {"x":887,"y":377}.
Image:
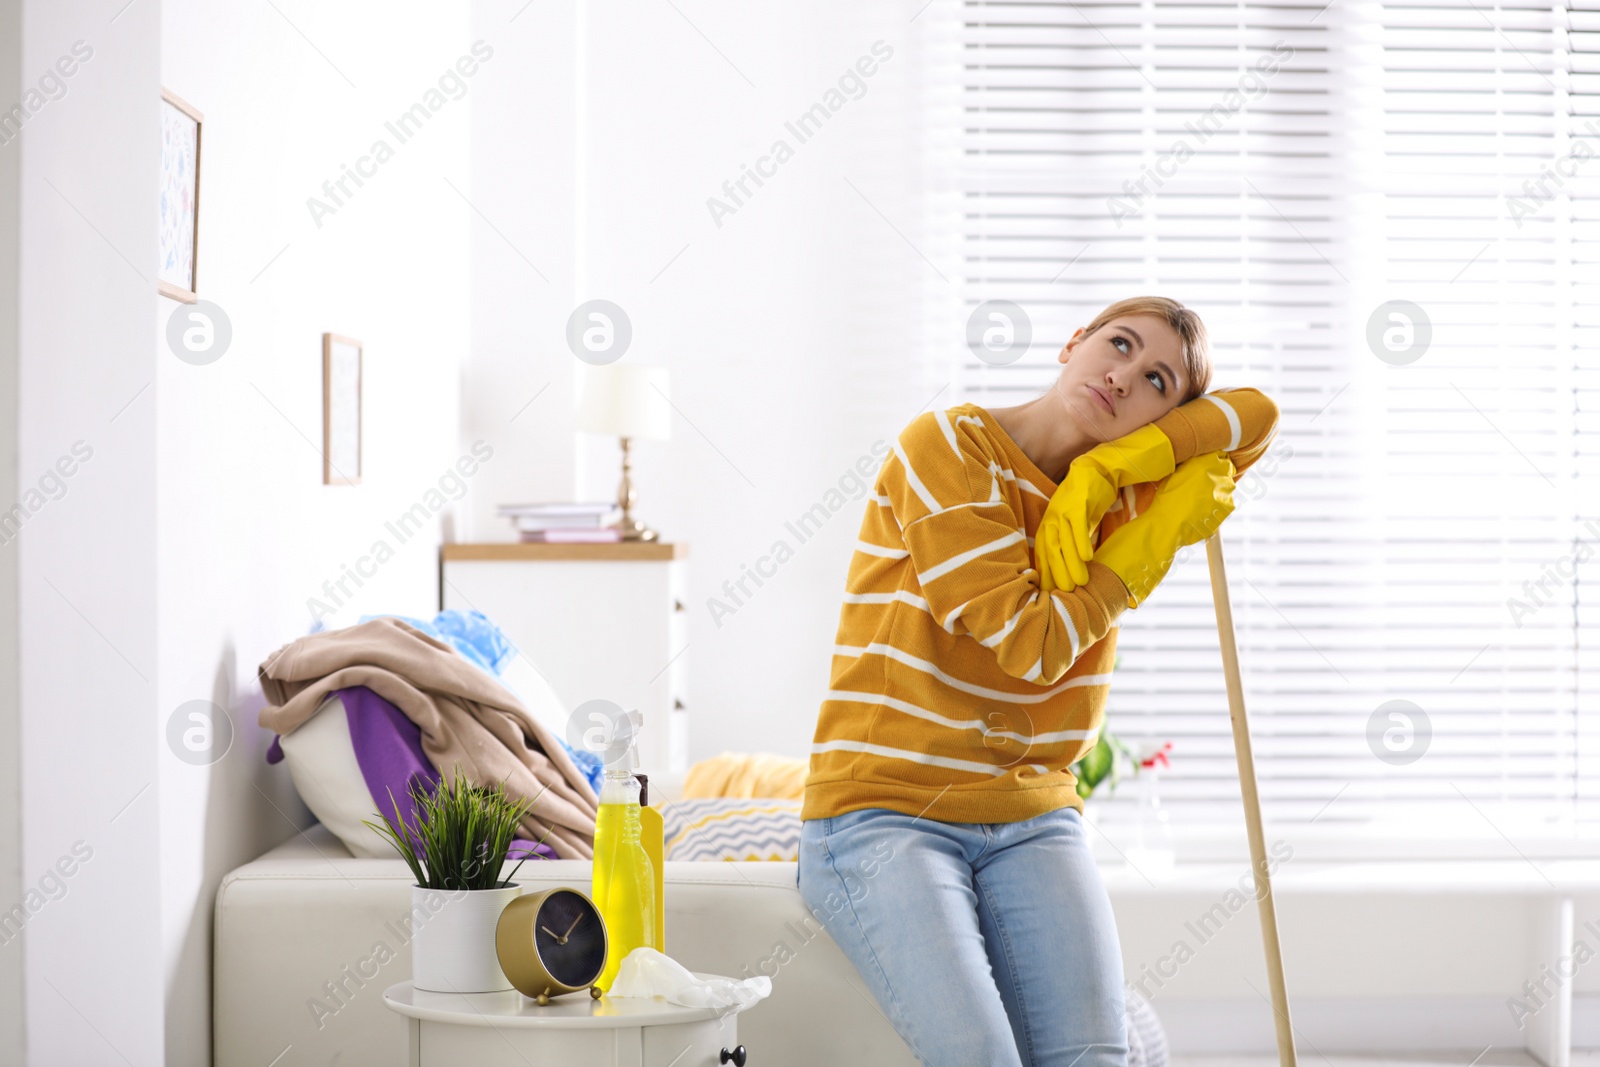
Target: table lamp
{"x":628,"y":401}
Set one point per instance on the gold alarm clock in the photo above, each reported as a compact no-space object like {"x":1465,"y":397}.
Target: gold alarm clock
{"x":551,"y":943}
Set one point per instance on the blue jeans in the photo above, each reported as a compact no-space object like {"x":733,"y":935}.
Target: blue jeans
{"x":986,"y":944}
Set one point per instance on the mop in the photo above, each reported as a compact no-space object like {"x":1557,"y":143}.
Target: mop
{"x":1252,"y":801}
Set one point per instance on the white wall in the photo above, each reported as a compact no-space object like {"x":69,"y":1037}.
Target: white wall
{"x":189,"y":544}
{"x":796,"y":332}
{"x":11,"y":971}
{"x":517,"y":384}
{"x":88,"y":578}
{"x":248,"y":534}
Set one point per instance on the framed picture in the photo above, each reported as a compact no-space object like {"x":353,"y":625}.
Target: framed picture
{"x":341,"y":410}
{"x":180,"y":198}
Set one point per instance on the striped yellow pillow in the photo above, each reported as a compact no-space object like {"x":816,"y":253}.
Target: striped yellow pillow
{"x":731,"y":828}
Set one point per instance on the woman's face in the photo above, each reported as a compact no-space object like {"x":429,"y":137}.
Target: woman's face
{"x":1126,"y":374}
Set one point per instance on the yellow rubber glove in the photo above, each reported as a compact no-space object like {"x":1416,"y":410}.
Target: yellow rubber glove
{"x":1064,"y":542}
{"x":1187,"y":509}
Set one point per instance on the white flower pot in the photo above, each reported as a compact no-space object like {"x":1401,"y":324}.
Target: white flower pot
{"x":452,"y":944}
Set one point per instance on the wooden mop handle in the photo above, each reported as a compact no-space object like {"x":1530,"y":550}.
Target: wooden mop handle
{"x":1252,"y":801}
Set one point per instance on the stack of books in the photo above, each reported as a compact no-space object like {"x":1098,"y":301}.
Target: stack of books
{"x":565,"y":523}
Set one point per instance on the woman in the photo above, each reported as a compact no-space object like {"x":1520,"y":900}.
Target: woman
{"x":942,"y":844}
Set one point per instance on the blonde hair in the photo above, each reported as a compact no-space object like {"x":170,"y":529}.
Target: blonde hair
{"x":1190,"y":330}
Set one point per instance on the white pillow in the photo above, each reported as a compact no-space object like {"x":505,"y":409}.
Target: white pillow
{"x":322,"y":762}
{"x":530,"y":687}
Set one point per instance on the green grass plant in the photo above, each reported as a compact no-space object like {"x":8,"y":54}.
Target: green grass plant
{"x":460,"y":835}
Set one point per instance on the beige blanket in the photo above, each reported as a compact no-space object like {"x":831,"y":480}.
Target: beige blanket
{"x":467,"y":718}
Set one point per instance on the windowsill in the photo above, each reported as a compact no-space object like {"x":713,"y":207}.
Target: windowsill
{"x":1297,"y":876}
{"x":1487,"y":848}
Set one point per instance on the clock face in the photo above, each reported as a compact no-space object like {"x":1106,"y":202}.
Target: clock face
{"x":570,"y":938}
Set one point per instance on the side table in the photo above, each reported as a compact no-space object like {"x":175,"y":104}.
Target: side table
{"x":576,"y":1030}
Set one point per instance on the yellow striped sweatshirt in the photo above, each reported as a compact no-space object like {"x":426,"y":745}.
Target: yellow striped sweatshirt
{"x":959,"y":691}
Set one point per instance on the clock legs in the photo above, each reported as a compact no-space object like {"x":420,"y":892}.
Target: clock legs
{"x":543,"y":998}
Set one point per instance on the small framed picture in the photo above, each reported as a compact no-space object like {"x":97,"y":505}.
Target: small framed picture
{"x":341,"y":410}
{"x":180,"y":198}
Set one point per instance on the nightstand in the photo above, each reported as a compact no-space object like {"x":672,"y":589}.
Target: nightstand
{"x":509,"y":1030}
{"x":598,"y":621}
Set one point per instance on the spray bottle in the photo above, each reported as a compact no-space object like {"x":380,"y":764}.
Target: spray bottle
{"x":624,"y":881}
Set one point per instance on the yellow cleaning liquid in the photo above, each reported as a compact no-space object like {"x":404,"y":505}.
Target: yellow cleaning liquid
{"x":624,"y":880}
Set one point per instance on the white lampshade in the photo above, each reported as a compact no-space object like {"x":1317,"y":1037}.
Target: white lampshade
{"x":626,"y":400}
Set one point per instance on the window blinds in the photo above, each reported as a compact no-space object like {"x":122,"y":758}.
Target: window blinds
{"x":1289,"y":171}
{"x":1583,"y":202}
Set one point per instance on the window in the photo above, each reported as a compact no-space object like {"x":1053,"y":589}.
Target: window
{"x":1289,"y":171}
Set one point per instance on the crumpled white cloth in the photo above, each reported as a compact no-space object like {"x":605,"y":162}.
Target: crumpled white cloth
{"x":646,"y":972}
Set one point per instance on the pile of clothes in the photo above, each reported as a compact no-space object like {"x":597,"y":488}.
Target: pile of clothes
{"x":423,"y":698}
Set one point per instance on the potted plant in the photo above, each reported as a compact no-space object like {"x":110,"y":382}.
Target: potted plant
{"x":1105,"y":760}
{"x":456,"y":846}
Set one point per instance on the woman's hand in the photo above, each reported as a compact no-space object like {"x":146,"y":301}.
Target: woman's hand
{"x":1064,"y":542}
{"x":1055,"y":552}
{"x":1187,"y":509}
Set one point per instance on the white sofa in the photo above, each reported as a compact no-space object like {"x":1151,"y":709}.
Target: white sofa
{"x":307,"y":939}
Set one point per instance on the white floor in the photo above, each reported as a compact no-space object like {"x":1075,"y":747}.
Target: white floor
{"x":1481,"y":1058}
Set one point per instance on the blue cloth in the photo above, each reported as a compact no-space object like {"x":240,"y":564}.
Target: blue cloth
{"x":977,"y":939}
{"x":469,"y":633}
